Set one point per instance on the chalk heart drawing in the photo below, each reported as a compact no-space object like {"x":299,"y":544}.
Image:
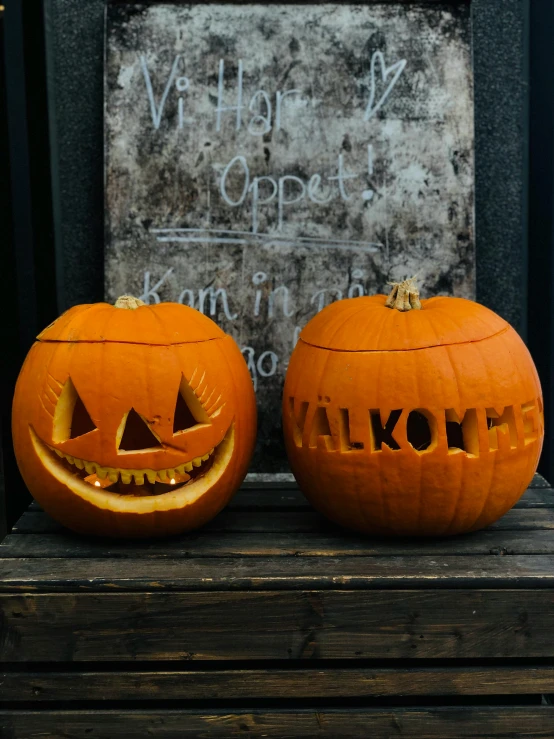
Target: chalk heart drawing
{"x":396,"y":69}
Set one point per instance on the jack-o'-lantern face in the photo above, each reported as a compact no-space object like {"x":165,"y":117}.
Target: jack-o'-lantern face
{"x":134,"y":432}
{"x":144,"y":454}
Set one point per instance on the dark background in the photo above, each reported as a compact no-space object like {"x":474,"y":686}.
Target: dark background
{"x":50,"y":245}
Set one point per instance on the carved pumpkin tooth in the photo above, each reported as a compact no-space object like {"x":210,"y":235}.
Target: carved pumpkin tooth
{"x":90,"y":468}
{"x":180,"y":469}
{"x":205,"y":457}
{"x":113,"y":475}
{"x":188,"y":466}
{"x":151,"y":475}
{"x":59,"y":453}
{"x":70,"y":458}
{"x":139,"y":477}
{"x":162,"y":474}
{"x":78,"y":463}
{"x":102,"y":472}
{"x":126,"y":477}
{"x":196,"y":462}
{"x":170,"y":474}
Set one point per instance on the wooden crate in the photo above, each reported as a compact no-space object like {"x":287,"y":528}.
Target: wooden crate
{"x":272,"y":622}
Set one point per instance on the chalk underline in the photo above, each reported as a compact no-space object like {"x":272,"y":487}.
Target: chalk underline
{"x":222,"y":236}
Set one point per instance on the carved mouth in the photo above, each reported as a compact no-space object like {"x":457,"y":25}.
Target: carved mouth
{"x":92,"y":480}
{"x":135,"y":481}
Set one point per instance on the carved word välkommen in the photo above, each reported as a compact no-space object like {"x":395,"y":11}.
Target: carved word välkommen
{"x":320,"y":425}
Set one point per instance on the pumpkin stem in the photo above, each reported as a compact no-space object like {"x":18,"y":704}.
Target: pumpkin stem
{"x":404,"y":295}
{"x":128,"y":302}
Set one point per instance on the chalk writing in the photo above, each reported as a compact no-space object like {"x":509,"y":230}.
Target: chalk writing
{"x":207,"y":300}
{"x":258,"y":279}
{"x":223,"y":236}
{"x":319,"y":298}
{"x":394,"y":72}
{"x":287,"y":190}
{"x":260,"y":123}
{"x":265,"y":365}
{"x":150,"y":294}
{"x":157,"y":110}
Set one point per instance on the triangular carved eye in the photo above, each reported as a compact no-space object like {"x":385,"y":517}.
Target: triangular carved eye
{"x":71,"y":418}
{"x":183,"y":418}
{"x":188,"y":409}
{"x":136,"y":434}
{"x":81,"y":422}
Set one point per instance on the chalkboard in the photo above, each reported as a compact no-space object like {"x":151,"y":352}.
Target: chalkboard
{"x":264,"y":160}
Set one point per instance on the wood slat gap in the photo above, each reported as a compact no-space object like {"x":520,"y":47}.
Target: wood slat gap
{"x":255,"y":704}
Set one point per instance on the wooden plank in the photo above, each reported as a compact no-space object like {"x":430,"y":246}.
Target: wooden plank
{"x":525,"y":519}
{"x":274,"y":683}
{"x":251,"y":496}
{"x":38,"y":522}
{"x":269,"y":573}
{"x":538,"y":481}
{"x":267,"y":499}
{"x":352,"y":624}
{"x":282,"y":496}
{"x":230,"y":544}
{"x":496,"y":722}
{"x":300,"y":522}
{"x":537,"y":498}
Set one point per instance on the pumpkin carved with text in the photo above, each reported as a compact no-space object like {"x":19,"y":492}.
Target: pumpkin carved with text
{"x":133,"y":420}
{"x":404,"y":417}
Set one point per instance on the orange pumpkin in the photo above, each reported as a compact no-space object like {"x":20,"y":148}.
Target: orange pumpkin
{"x":133,"y":420}
{"x":412,"y":422}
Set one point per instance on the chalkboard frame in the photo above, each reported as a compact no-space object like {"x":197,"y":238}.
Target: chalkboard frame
{"x":74,"y":49}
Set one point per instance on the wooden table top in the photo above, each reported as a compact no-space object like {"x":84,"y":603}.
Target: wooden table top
{"x":270,"y":538}
{"x":274,"y":622}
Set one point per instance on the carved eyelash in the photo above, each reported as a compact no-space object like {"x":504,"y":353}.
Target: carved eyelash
{"x":201,"y":390}
{"x":50,"y":395}
{"x":48,"y":410}
{"x":57,"y":385}
{"x":54,"y":387}
{"x":215,"y":409}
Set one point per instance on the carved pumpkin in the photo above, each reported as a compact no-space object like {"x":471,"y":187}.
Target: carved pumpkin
{"x":412,"y":422}
{"x":133,"y":422}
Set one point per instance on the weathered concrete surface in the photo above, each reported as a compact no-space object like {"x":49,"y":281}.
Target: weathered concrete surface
{"x":376,"y":147}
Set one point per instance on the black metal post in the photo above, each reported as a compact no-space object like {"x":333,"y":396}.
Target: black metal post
{"x":541,"y":212}
{"x":27,"y":264}
{"x":14,"y":53}
{"x":17,"y":254}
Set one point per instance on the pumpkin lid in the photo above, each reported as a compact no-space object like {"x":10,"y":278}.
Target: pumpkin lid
{"x":366,"y":324}
{"x":162,"y":324}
